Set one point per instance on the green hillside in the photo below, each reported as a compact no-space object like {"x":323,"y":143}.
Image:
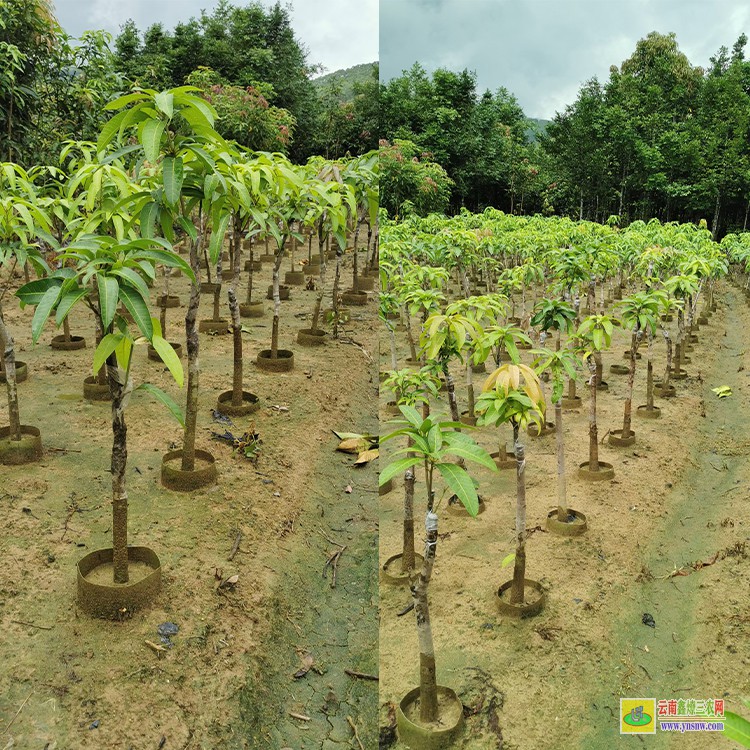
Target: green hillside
{"x":347,"y":78}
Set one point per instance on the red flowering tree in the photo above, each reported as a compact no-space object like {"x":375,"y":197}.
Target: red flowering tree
{"x":245,"y":114}
{"x":411,"y":181}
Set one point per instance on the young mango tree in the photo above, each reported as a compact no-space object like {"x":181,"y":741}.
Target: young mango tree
{"x":560,"y":363}
{"x":105,"y":273}
{"x":411,"y":389}
{"x":21,"y":222}
{"x":513,"y":395}
{"x":593,"y":336}
{"x":433,"y":441}
{"x":445,"y":337}
{"x":668,"y":308}
{"x":175,"y":135}
{"x":638,"y":313}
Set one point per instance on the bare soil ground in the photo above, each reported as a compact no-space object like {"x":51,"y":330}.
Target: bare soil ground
{"x":679,"y":497}
{"x":68,"y":681}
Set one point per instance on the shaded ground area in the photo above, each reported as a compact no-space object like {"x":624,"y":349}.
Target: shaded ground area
{"x":71,"y":682}
{"x":679,"y":498}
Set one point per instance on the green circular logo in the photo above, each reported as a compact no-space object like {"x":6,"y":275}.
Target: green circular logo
{"x":637,"y":719}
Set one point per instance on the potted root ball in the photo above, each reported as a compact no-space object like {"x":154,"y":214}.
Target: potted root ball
{"x":66,"y":342}
{"x":594,"y":334}
{"x":19,"y":443}
{"x":119,"y":579}
{"x":512,"y":394}
{"x":431,"y":715}
{"x":562,"y":520}
{"x":639,"y":313}
{"x":215,"y":325}
{"x":236,"y":402}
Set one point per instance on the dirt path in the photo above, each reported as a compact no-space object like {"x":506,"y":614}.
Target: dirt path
{"x":334,"y":626}
{"x":692,"y":652}
{"x":555,"y":681}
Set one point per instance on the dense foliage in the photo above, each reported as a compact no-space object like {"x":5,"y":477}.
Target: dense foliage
{"x":661,"y":138}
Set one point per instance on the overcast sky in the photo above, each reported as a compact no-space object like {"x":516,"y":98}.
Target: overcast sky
{"x":543,"y":50}
{"x":337,"y":33}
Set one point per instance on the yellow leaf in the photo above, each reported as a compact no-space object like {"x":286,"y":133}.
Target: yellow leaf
{"x":366,"y":456}
{"x":353,"y":445}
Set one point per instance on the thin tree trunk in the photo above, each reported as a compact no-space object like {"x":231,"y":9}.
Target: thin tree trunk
{"x":407,"y":556}
{"x":335,"y":300}
{"x":428,"y":711}
{"x":470,"y":387}
{"x":234,"y":309}
{"x":9,"y":362}
{"x":650,"y":374}
{"x":119,"y":387}
{"x":191,"y":335}
{"x":519,"y":566}
{"x":276,"y":300}
{"x":562,"y":500}
{"x":593,"y":430}
{"x":627,"y":417}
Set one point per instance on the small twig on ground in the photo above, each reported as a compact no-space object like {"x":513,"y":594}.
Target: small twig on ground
{"x":347,"y":340}
{"x":159,"y":650}
{"x":356,"y":733}
{"x":235,"y":546}
{"x":18,"y":712}
{"x":301,"y":717}
{"x":64,"y":450}
{"x":405,"y":611}
{"x":333,"y":561}
{"x":32,"y":625}
{"x":361,"y":675}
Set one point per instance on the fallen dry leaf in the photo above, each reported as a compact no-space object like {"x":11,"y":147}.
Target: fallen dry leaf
{"x":354,"y":445}
{"x":366,"y":456}
{"x":306,"y":658}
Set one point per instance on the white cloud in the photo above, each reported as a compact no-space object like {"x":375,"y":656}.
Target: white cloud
{"x":337,"y":33}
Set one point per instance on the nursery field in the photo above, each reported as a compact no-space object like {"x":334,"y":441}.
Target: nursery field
{"x":74,"y":681}
{"x":649,"y":601}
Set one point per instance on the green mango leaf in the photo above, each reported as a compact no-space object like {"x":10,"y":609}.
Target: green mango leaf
{"x":397,"y":467}
{"x":106,"y":346}
{"x":43,"y":310}
{"x":168,"y":355}
{"x":137,"y":307}
{"x":32,"y":293}
{"x":172,"y":168}
{"x":150,"y":138}
{"x":411,"y":414}
{"x":736,"y":728}
{"x":133,"y":278}
{"x":463,"y":446}
{"x":164,"y":399}
{"x":108,"y":295}
{"x":461,"y":485}
{"x":165,"y":103}
{"x":68,"y":300}
{"x":148,"y":219}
